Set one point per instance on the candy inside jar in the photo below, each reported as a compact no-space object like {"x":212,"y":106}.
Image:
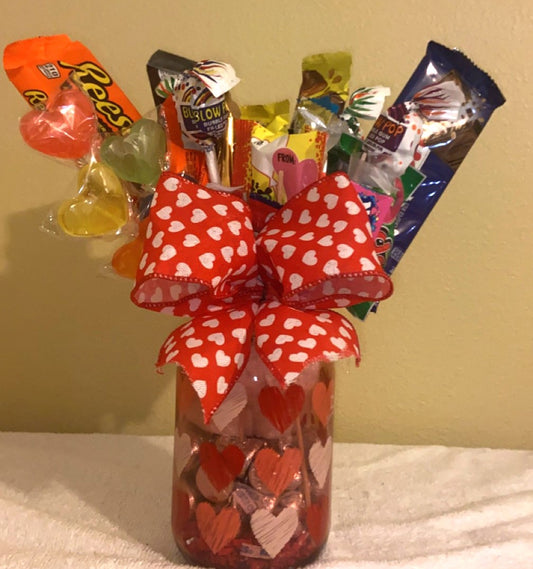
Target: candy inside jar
{"x":251,"y":487}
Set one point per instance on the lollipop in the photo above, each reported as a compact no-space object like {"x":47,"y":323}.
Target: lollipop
{"x":66,"y":128}
{"x":101,"y":206}
{"x":138,"y":154}
{"x":201,"y":107}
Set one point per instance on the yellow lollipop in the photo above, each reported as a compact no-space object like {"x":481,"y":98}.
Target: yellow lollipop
{"x":101,"y":206}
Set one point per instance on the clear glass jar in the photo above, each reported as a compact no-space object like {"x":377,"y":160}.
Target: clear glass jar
{"x":251,"y":489}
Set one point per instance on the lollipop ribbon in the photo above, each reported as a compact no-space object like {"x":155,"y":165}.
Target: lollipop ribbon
{"x":202,"y":259}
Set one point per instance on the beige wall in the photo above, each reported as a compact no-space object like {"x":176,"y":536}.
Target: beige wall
{"x":448,"y":360}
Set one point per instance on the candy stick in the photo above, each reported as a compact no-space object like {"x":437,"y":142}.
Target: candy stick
{"x":212,"y":164}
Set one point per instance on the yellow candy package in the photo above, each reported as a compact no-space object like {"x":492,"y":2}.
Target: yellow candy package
{"x":283,"y":164}
{"x":273,"y":116}
{"x":325,"y":82}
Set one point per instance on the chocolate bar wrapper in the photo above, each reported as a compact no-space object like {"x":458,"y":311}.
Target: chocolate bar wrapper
{"x":448,"y":140}
{"x":453,"y":99}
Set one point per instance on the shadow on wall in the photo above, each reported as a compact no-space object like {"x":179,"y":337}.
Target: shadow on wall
{"x":77,"y":355}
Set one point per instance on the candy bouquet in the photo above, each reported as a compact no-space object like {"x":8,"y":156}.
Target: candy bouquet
{"x":256,"y":224}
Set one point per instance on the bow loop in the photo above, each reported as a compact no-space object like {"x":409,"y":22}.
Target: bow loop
{"x":318,"y":251}
{"x":200,"y":259}
{"x":199,"y":249}
{"x":289,"y":339}
{"x":212,"y":350}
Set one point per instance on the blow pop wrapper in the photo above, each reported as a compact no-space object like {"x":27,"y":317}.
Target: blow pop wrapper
{"x":183,"y":155}
{"x":201,"y":107}
{"x":163,"y":70}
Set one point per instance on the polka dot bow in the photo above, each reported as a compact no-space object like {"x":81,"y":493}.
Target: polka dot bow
{"x":202,"y":259}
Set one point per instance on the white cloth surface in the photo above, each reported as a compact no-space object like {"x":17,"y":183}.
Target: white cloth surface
{"x":103,"y":501}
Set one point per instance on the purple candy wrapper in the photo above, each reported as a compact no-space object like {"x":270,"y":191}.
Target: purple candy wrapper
{"x":448,"y":140}
{"x":454,"y":100}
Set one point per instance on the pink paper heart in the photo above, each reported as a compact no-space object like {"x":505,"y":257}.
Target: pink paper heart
{"x":296,"y":174}
{"x":273,"y":532}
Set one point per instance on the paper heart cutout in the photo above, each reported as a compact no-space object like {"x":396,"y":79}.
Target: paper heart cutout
{"x":136,"y":156}
{"x":221,"y":467}
{"x":281,"y":408}
{"x":293,"y":174}
{"x":274,"y":532}
{"x":320,"y":461}
{"x":101,"y":206}
{"x":217,"y":530}
{"x":126,"y":259}
{"x":230,"y":407}
{"x":65,"y":129}
{"x":275,"y":471}
{"x":207,"y":489}
{"x":322,"y":401}
{"x":317,"y":520}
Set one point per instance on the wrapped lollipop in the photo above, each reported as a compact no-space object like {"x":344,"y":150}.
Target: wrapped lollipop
{"x":66,"y":127}
{"x":75,"y":104}
{"x":199,"y":97}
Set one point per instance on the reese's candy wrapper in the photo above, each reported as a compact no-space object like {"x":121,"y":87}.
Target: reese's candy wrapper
{"x":38,"y":67}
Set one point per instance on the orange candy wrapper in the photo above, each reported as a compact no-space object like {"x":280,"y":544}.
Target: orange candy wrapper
{"x":38,"y":67}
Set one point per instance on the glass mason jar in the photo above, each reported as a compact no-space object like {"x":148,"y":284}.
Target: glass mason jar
{"x":252,"y":488}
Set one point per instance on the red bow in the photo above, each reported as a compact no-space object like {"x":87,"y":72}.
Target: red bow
{"x":202,"y":259}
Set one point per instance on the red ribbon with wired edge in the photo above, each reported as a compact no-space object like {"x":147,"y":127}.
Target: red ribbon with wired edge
{"x":201,"y":259}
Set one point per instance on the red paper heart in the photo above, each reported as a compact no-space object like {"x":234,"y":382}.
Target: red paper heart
{"x":317,"y":519}
{"x":276,"y":471}
{"x":322,"y":400}
{"x":281,"y":408}
{"x":66,"y":129}
{"x":217,"y":530}
{"x":221,"y":467}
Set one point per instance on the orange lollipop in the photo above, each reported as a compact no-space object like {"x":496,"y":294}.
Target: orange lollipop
{"x":126,"y":258}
